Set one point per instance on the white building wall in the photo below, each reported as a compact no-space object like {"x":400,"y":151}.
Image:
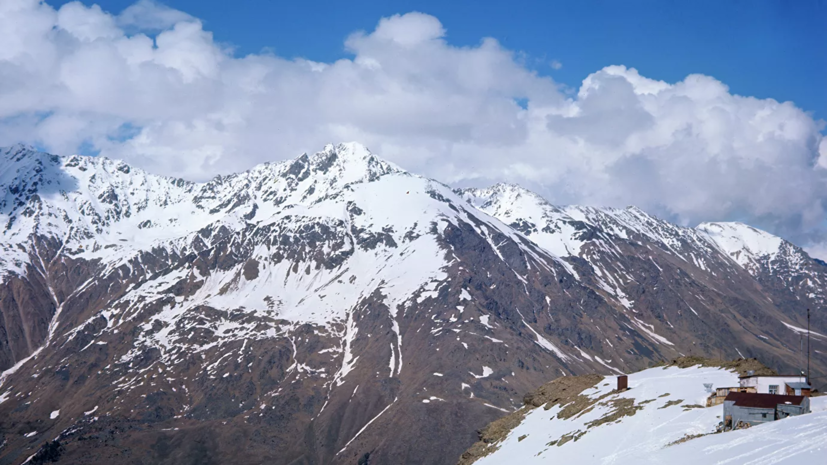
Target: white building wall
{"x":762,"y":383}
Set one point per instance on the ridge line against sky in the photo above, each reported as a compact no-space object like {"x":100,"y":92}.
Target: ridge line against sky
{"x":149,"y":84}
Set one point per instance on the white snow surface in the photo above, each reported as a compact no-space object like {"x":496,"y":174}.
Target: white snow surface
{"x":104,"y":209}
{"x":596,"y":234}
{"x":484,"y":320}
{"x":562,"y":229}
{"x":590,"y":233}
{"x":803,"y":331}
{"x":742,"y":242}
{"x":643,"y":437}
{"x":511,"y":203}
{"x":486,"y":372}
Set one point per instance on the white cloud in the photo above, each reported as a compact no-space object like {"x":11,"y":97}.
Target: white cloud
{"x":556,"y":64}
{"x":149,"y":15}
{"x":87,"y":24}
{"x":152,"y":86}
{"x":410,"y":30}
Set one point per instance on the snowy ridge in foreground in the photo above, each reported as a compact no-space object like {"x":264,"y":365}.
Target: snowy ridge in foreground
{"x":644,"y":437}
{"x":794,"y":440}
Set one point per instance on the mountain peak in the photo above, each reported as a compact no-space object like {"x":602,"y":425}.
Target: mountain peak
{"x":17,"y":154}
{"x":742,"y":242}
{"x":504,"y":194}
{"x":351,"y":149}
{"x":348,"y":162}
{"x":503,"y":188}
{"x":16,"y":148}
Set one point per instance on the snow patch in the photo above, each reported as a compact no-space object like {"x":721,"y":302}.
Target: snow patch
{"x":486,"y":372}
{"x":803,"y":331}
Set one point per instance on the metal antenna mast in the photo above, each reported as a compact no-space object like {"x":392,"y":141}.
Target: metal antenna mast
{"x":808,"y":346}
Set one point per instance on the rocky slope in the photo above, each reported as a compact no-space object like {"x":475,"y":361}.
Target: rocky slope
{"x":336,"y":309}
{"x":749,"y":289}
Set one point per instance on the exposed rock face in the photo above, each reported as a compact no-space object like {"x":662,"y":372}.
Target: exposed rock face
{"x":335,"y":308}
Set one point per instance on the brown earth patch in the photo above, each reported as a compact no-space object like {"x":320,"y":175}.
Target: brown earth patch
{"x":739,"y":365}
{"x":569,"y":437}
{"x":562,"y":391}
{"x":624,"y":407}
{"x":686,"y":438}
{"x":671,"y":403}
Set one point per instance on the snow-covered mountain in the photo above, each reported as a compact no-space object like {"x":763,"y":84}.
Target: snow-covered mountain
{"x":609,"y":242}
{"x":660,"y":419}
{"x":296,"y":312}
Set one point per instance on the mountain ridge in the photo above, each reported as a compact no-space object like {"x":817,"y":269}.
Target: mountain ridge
{"x":321,"y":301}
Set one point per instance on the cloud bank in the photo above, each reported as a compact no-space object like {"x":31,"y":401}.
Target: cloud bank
{"x":151,"y":86}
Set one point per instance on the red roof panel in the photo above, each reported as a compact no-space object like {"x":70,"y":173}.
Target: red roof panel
{"x":747,"y":399}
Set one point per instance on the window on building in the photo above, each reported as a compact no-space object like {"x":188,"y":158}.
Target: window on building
{"x":773,"y":389}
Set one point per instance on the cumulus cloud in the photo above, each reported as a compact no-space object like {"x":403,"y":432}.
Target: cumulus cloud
{"x":148,"y":15}
{"x":150,"y":85}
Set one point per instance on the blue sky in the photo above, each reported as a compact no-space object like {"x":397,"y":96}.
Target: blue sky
{"x":766,"y":49}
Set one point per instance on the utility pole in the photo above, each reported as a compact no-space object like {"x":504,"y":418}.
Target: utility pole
{"x":808,"y":346}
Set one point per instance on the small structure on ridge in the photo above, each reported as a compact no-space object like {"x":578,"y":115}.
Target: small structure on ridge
{"x":742,"y":409}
